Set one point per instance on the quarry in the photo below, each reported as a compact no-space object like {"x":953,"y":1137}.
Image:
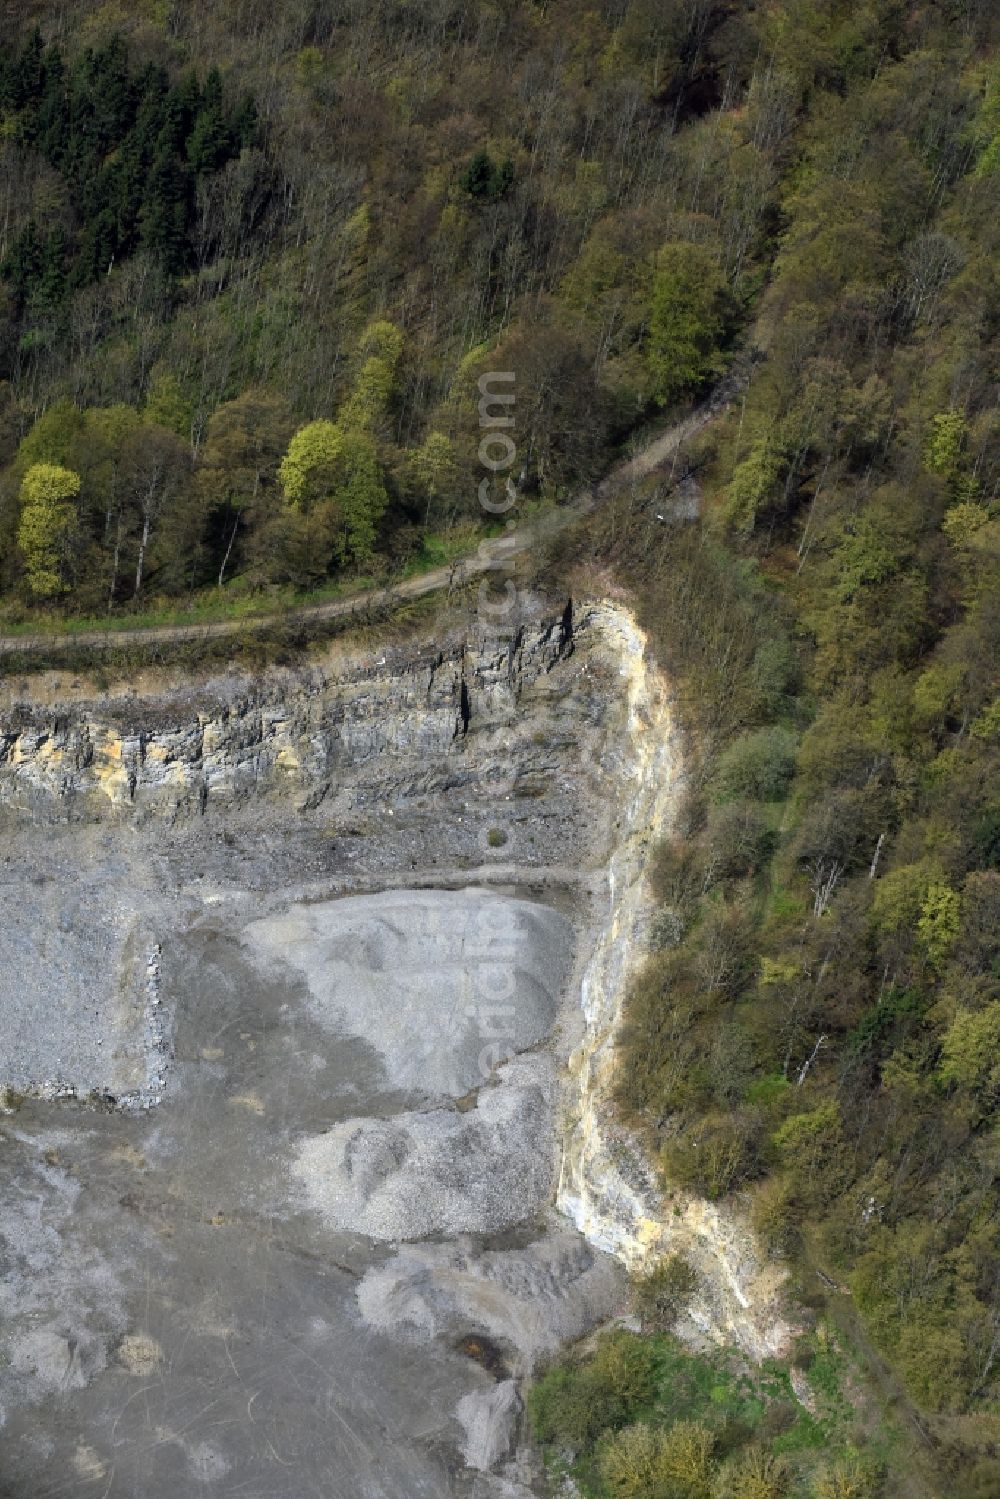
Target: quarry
{"x":311,"y":992}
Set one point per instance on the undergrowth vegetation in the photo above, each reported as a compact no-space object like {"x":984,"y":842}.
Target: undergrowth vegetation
{"x":644,"y":1418}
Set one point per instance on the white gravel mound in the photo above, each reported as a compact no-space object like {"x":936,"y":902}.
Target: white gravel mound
{"x":439,"y":1172}
{"x":445,"y":984}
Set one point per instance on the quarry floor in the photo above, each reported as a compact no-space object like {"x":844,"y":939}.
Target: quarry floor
{"x":180,"y":1317}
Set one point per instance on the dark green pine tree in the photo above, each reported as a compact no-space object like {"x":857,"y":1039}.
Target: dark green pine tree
{"x":112,"y":94}
{"x":50,"y":287}
{"x":211,"y":141}
{"x":163,"y":219}
{"x":82,"y":157}
{"x":503,"y":176}
{"x":476,"y":178}
{"x":98,"y":250}
{"x":26,"y":76}
{"x":183,"y":105}
{"x":130,"y":150}
{"x":486,"y":179}
{"x":23,"y":264}
{"x":50,"y":122}
{"x":245,"y":123}
{"x":151,"y":90}
{"x":151,"y":116}
{"x":126,"y":191}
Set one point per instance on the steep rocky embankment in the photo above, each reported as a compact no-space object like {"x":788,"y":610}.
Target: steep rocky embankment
{"x":606,"y":1185}
{"x":170,"y":747}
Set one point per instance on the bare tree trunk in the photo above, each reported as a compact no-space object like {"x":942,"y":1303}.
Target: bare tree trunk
{"x":825,"y":878}
{"x":994,"y":1349}
{"x":876,"y":855}
{"x":791,"y":1036}
{"x":805,"y":543}
{"x":142,"y":554}
{"x":806,"y":1065}
{"x":115,"y":565}
{"x":229,"y":548}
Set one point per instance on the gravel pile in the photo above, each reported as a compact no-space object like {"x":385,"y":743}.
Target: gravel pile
{"x":444,"y":984}
{"x":439,"y":1172}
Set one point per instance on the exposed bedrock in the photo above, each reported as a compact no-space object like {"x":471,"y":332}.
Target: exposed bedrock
{"x":354,"y":728}
{"x":606,"y":1185}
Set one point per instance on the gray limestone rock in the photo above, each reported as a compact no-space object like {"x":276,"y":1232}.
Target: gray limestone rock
{"x":490,"y":1420}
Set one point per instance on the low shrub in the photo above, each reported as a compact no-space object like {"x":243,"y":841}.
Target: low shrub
{"x":661,"y":1296}
{"x":572,"y":1405}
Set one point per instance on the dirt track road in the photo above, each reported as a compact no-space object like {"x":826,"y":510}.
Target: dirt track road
{"x":488,"y":557}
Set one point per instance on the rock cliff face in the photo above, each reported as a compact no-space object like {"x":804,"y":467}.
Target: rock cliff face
{"x":288,"y":731}
{"x":606,"y":1185}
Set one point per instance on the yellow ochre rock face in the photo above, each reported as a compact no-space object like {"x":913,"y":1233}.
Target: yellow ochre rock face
{"x":607,"y":1186}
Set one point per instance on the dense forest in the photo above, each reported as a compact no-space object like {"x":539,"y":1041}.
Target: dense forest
{"x":305,"y":257}
{"x":816,"y":1034}
{"x":253,"y":260}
